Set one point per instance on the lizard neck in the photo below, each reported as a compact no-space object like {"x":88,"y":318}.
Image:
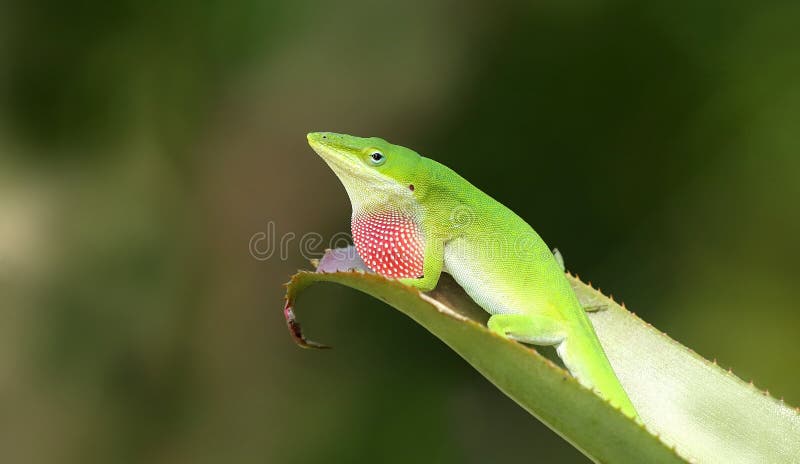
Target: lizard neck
{"x":390,"y":241}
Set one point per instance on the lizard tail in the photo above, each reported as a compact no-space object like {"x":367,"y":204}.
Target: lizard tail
{"x":586,"y":360}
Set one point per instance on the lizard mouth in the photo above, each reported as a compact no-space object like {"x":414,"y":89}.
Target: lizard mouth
{"x":338,"y":158}
{"x":346,"y":164}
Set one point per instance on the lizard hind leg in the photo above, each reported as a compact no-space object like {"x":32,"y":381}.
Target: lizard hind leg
{"x":541,"y":330}
{"x":528,"y":328}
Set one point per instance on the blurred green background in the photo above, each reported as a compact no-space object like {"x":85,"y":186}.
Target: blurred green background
{"x":143,"y":145}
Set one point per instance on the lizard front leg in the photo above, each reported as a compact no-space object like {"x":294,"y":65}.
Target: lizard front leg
{"x":433,"y":262}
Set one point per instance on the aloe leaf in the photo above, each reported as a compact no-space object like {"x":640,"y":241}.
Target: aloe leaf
{"x":693,"y":411}
{"x":706,"y":412}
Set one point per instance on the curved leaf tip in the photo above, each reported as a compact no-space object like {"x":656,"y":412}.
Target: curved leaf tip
{"x":296,"y":332}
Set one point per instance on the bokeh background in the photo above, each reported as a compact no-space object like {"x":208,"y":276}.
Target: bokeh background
{"x":142,"y":145}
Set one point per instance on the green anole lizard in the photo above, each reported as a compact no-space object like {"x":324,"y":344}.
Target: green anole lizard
{"x":414,"y":218}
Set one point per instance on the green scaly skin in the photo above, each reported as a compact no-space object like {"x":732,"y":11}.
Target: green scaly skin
{"x":499,"y":260}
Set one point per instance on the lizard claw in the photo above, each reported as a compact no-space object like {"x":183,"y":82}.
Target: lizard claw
{"x":296,"y":332}
{"x":595,"y":308}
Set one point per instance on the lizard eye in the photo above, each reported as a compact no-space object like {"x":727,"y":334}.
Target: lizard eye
{"x":377,"y":158}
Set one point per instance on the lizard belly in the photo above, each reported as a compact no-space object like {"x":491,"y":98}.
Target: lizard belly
{"x":508,"y":283}
{"x":488,"y":288}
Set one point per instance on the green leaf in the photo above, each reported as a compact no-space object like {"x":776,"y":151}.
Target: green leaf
{"x":693,"y":411}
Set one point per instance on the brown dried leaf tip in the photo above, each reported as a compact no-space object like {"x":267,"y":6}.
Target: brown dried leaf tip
{"x":296,"y":332}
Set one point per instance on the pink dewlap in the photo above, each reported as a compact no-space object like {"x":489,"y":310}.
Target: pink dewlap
{"x":389,"y":243}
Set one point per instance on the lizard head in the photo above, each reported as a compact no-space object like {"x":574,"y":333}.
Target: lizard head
{"x":376,"y":174}
{"x":380,"y":180}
